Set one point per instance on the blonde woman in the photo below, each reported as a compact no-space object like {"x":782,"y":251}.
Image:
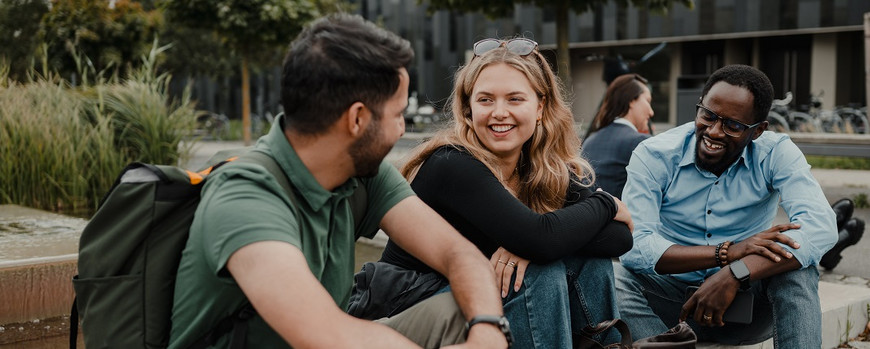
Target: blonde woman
{"x":506,"y":174}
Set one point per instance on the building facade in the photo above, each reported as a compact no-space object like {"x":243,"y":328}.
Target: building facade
{"x":807,"y":47}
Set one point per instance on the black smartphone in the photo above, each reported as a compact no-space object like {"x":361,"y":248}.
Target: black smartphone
{"x":740,"y":310}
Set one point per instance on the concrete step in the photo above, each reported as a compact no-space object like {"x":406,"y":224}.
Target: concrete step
{"x":34,"y":289}
{"x":844,"y":302}
{"x":844,"y":316}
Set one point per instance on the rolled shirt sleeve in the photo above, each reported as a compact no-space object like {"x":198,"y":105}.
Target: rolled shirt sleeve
{"x":804,"y":202}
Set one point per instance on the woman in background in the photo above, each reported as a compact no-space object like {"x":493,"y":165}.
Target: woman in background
{"x":620,"y":125}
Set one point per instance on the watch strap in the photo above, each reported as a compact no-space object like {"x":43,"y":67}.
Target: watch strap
{"x":497,"y":320}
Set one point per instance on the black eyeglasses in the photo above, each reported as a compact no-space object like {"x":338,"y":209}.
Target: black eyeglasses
{"x":731,"y":127}
{"x":520,"y":46}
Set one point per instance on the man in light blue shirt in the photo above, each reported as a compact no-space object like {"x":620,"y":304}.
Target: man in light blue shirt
{"x":703,"y":197}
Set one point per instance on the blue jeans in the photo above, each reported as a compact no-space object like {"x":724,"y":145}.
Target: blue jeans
{"x":559,"y":298}
{"x":786,"y":308}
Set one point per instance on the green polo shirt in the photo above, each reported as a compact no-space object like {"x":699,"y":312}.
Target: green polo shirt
{"x":243,"y":203}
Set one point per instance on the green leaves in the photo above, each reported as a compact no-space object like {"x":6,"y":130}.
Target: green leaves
{"x":246,"y":25}
{"x":501,"y":8}
{"x":110,"y":37}
{"x":19,"y":25}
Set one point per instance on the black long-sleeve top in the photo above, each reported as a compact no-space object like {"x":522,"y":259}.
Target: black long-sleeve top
{"x":467,"y":194}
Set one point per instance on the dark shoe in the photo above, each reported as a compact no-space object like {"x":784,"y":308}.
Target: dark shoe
{"x":843,"y":208}
{"x":851,"y":233}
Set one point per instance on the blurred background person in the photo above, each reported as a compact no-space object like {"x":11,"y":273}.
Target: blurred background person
{"x":621,"y":124}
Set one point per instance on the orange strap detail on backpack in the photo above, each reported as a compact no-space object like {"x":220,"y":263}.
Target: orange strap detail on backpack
{"x":197,"y":177}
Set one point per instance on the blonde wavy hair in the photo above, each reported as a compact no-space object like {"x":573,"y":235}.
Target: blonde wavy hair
{"x":548,"y":158}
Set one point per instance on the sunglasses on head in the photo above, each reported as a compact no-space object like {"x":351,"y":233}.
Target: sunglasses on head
{"x":731,"y":127}
{"x":520,"y":46}
{"x":641,"y":79}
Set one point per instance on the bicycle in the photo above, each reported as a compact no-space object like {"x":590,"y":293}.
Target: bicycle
{"x":213,"y":126}
{"x":260,"y":125}
{"x":781,"y":119}
{"x":854,"y":120}
{"x":823,"y":120}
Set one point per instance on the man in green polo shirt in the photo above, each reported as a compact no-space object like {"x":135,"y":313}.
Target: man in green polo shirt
{"x":344,"y":89}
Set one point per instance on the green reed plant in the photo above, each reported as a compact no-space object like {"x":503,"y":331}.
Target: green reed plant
{"x":147,"y":125}
{"x":63,"y":146}
{"x":45,"y":147}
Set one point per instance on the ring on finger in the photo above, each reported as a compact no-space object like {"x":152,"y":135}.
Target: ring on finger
{"x":501,"y":261}
{"x":708,"y":317}
{"x":511,"y":264}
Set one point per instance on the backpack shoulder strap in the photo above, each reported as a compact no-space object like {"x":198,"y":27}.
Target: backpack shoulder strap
{"x":358,"y":200}
{"x":255,"y":156}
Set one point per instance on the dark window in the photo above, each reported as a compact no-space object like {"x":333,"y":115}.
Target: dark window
{"x":786,"y":61}
{"x":788,"y":10}
{"x":702,"y":57}
{"x":706,"y":16}
{"x":453,"y":35}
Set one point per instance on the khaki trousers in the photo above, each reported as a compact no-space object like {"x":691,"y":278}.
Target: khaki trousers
{"x":432,"y":323}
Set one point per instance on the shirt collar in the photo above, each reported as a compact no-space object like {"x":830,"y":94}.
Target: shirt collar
{"x":625,"y":122}
{"x":276,"y":144}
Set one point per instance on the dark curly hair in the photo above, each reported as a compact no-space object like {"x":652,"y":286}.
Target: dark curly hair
{"x":336,"y":61}
{"x":749,"y":78}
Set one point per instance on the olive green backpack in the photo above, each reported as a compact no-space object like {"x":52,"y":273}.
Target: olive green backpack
{"x":130,"y":250}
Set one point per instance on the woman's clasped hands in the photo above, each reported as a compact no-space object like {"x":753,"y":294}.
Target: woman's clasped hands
{"x":505,"y":264}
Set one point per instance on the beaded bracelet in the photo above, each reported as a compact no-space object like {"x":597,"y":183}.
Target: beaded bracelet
{"x":716,"y":254}
{"x":722,"y":255}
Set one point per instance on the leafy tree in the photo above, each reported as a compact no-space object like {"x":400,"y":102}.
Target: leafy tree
{"x":502,"y":8}
{"x":255,"y":30}
{"x":19,"y":26}
{"x":196,"y":52}
{"x":97,"y":35}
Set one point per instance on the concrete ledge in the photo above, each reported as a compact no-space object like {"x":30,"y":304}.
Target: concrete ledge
{"x":768,"y":344}
{"x":843,"y":307}
{"x":36,"y":289}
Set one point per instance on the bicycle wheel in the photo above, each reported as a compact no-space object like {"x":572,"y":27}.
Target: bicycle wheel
{"x":776,"y":122}
{"x":802,"y":122}
{"x":220,"y":127}
{"x":830,"y":121}
{"x":853,"y":121}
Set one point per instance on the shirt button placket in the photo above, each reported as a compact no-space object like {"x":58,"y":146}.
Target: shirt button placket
{"x":709,"y":211}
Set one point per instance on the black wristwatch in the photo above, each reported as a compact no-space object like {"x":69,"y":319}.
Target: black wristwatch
{"x":740,"y":272}
{"x":499,"y":321}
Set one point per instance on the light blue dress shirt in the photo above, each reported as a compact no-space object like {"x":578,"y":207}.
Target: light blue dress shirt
{"x":672,"y":201}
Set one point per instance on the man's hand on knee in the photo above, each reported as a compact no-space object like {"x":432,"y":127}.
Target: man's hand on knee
{"x":765,"y":244}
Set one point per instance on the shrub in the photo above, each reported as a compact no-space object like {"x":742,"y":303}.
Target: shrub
{"x":62,"y":147}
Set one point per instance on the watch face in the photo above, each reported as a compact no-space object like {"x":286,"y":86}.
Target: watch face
{"x":740,"y":271}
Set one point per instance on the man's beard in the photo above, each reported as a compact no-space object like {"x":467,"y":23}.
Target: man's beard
{"x":709,"y":166}
{"x":717,"y":167}
{"x":369,"y":151}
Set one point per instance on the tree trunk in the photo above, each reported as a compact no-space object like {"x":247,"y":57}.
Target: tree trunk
{"x":562,"y":53}
{"x":246,"y":103}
